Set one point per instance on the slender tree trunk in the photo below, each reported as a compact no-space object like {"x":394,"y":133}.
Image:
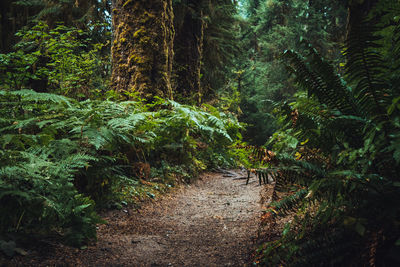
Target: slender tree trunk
{"x":12,"y":18}
{"x":357,"y":11}
{"x":142,"y":50}
{"x":4,"y":26}
{"x":189,"y":45}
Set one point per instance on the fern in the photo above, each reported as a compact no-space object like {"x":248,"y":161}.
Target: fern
{"x":289,"y":204}
{"x":320,"y":80}
{"x":30,"y":95}
{"x":345,"y":161}
{"x":60,"y":158}
{"x":365,"y":68}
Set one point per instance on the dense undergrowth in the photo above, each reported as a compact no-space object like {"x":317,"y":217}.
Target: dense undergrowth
{"x":339,"y":155}
{"x":68,"y":150}
{"x":61,"y":158}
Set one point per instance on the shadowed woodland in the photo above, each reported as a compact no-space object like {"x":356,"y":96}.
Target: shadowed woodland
{"x":109,"y":106}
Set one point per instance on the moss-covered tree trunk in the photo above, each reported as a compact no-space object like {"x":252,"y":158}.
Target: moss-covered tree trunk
{"x":142,"y":50}
{"x":189,"y":43}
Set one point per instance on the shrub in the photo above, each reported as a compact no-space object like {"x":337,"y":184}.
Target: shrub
{"x":339,"y":156}
{"x":58,"y":155}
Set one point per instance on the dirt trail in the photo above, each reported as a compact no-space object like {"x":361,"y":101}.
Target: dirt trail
{"x":210,"y":223}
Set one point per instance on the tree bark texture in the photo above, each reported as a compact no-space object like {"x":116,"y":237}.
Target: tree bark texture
{"x":189,"y":53}
{"x":142,"y":50}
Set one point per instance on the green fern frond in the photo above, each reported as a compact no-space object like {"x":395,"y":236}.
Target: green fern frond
{"x":366,"y":69}
{"x":290,"y":203}
{"x":130,"y":122}
{"x":319,"y":79}
{"x":30,"y":95}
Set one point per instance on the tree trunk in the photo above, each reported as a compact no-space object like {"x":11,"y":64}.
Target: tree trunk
{"x":12,"y":19}
{"x":357,"y":12}
{"x":142,"y":50}
{"x":189,"y":52}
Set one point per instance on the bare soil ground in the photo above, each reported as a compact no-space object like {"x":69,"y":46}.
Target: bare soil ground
{"x":213,"y":222}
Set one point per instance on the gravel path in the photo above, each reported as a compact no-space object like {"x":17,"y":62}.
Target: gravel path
{"x":212,"y":222}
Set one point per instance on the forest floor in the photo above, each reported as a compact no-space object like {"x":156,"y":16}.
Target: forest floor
{"x":212,"y":222}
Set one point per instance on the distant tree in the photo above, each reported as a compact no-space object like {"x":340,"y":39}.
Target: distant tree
{"x":142,"y":50}
{"x":83,"y":14}
{"x":204,"y":47}
{"x":268,"y":29}
{"x":12,"y":18}
{"x":190,"y":23}
{"x":220,"y":47}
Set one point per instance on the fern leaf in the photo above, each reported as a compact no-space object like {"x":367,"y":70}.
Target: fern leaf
{"x":366,"y":69}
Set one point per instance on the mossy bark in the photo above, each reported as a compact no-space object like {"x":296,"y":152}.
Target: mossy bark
{"x":189,"y":44}
{"x":142,"y":50}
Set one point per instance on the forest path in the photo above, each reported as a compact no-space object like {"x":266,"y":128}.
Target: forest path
{"x":212,"y":222}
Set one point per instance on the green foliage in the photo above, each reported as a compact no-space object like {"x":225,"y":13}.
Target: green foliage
{"x":196,"y":135}
{"x":58,"y":155}
{"x":267,"y":30}
{"x":75,"y":13}
{"x":343,"y":165}
{"x":220,"y":46}
{"x":14,"y":69}
{"x":62,"y":60}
